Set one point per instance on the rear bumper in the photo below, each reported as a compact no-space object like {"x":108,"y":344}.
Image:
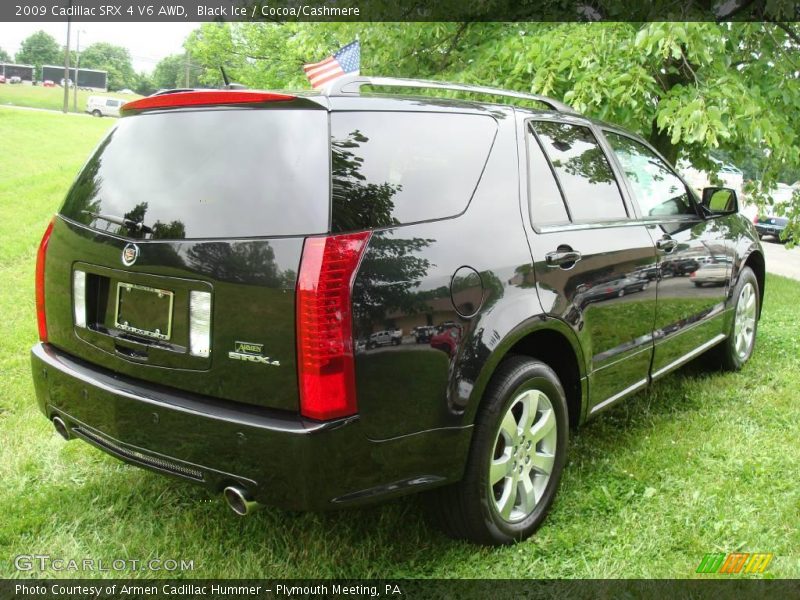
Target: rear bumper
{"x":280,"y":458}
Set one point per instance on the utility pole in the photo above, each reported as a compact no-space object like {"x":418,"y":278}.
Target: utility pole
{"x":66,"y":64}
{"x":186,"y":70}
{"x":77,"y":66}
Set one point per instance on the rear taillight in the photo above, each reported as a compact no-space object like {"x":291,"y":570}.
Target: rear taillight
{"x":755,"y":220}
{"x":324,"y":325}
{"x":41,"y":318}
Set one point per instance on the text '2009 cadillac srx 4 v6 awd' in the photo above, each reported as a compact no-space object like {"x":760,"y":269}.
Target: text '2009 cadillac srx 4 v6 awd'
{"x":210,"y":292}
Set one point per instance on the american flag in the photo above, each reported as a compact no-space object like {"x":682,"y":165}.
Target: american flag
{"x":344,"y":62}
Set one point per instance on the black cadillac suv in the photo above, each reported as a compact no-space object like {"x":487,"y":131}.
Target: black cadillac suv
{"x":204,"y":293}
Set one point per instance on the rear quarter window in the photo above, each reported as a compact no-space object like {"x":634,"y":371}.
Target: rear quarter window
{"x":395,"y":168}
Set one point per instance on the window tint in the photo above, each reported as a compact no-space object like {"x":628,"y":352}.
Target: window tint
{"x":584,"y":172}
{"x":208,"y":174}
{"x":657,"y":190}
{"x":546,"y":204}
{"x":390,"y":168}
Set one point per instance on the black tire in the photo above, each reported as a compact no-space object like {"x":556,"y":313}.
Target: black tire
{"x":698,"y":284}
{"x":731,"y":358}
{"x":468,"y":509}
{"x":97,"y":113}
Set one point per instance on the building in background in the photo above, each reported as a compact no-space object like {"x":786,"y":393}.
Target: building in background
{"x":86,"y":78}
{"x":24,"y":72}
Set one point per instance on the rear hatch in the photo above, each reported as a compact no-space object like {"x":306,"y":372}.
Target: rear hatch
{"x":175,"y":255}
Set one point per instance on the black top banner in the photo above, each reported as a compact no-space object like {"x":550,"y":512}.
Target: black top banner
{"x":392,"y":10}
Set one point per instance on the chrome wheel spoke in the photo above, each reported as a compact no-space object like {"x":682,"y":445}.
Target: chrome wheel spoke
{"x":501,"y":467}
{"x":510,"y":429}
{"x":527,"y":494}
{"x":543,"y":462}
{"x":509,"y":498}
{"x":543,"y":426}
{"x":530,"y":404}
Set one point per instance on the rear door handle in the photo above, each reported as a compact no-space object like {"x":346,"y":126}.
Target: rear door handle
{"x":562,"y":259}
{"x":666,"y":244}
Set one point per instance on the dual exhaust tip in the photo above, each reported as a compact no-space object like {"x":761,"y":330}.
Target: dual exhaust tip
{"x":238,"y":498}
{"x":61,"y":428}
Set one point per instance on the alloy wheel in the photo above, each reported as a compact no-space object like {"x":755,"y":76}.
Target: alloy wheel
{"x":745,"y":323}
{"x":524,"y":452}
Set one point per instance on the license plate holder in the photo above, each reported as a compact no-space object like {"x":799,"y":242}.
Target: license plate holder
{"x":144,"y":311}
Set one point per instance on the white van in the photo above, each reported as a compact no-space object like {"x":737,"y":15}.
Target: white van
{"x":103,"y":106}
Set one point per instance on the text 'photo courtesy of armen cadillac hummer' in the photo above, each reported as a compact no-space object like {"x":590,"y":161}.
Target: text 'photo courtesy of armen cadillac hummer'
{"x":332,"y":298}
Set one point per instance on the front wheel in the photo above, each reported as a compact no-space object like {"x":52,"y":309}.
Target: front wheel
{"x":737,"y":349}
{"x":515,"y":463}
{"x":97,"y":113}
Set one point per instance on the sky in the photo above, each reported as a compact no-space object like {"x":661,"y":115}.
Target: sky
{"x":147,"y":42}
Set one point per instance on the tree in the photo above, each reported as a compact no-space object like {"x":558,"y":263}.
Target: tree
{"x":171,"y":72}
{"x":691,"y":89}
{"x":4,"y":56}
{"x":143,"y":84}
{"x":39,"y":49}
{"x":114,"y":59}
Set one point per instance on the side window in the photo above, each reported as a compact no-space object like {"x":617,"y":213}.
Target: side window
{"x":111,"y":103}
{"x":393,"y":168}
{"x":658,"y":191}
{"x":586,"y":178}
{"x":546,"y":204}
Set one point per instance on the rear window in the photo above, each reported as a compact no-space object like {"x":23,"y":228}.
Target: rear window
{"x":208,"y":174}
{"x":394,"y":168}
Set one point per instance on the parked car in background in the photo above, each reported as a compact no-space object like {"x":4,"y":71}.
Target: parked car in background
{"x":103,"y":106}
{"x":386,"y":337}
{"x":713,"y":272}
{"x":200,"y":291}
{"x":447,"y":340}
{"x":15,"y":79}
{"x":769,"y":223}
{"x":2,"y":78}
{"x":65,"y":82}
{"x":125,"y":91}
{"x":48,"y":83}
{"x":422,"y":334}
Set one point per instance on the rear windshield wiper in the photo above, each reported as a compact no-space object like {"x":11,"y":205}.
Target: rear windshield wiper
{"x":137,"y":226}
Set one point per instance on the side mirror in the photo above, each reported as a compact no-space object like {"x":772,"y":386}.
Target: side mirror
{"x":720,"y":201}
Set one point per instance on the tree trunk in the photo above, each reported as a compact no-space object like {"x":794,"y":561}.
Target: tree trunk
{"x":660,"y":139}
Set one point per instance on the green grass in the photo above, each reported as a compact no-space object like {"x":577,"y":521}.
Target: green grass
{"x":702,"y":462}
{"x":37,"y":96}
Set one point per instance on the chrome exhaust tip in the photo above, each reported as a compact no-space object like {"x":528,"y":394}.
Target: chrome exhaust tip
{"x":61,"y":428}
{"x":240,"y":500}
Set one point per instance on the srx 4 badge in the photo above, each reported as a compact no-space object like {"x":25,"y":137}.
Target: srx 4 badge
{"x":252,"y":352}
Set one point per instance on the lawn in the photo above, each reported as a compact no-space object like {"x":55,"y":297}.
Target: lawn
{"x":37,"y":96}
{"x":702,"y":462}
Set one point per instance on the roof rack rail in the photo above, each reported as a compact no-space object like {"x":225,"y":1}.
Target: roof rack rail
{"x":350,"y":85}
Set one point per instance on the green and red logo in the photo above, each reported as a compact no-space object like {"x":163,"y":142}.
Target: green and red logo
{"x":735,"y":562}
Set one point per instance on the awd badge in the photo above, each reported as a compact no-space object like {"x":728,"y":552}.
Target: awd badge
{"x":251,"y":352}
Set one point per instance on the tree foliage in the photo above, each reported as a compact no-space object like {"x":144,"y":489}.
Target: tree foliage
{"x":176,"y":71}
{"x":114,"y":59}
{"x":39,"y":49}
{"x":4,"y":56}
{"x":691,"y":89}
